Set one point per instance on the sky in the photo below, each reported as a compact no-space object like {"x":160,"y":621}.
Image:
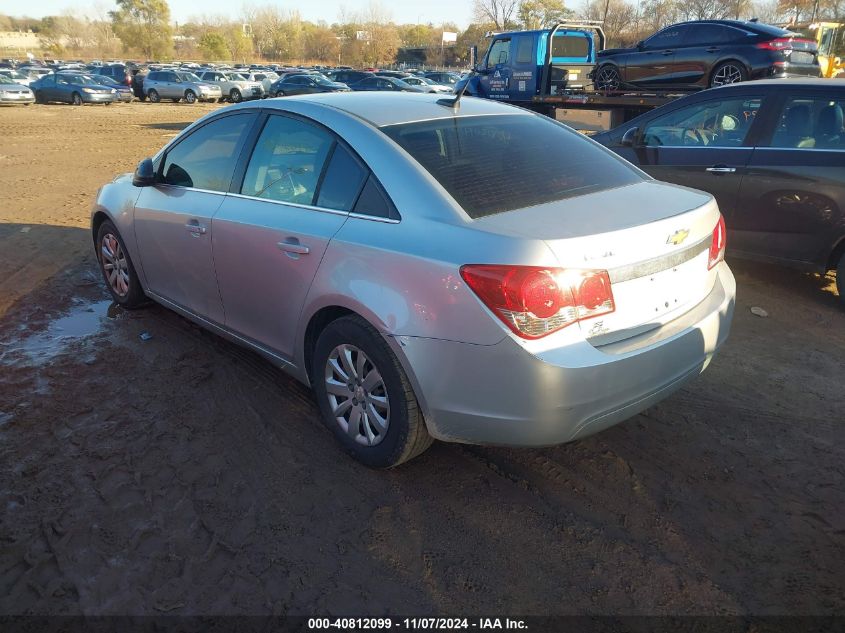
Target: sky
{"x":400,"y":11}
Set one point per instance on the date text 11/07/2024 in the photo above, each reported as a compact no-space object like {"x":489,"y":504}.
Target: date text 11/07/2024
{"x":434,"y":624}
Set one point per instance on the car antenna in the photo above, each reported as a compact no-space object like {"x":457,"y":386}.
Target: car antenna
{"x":455,"y":103}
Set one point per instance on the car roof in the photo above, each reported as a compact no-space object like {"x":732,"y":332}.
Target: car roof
{"x":388,"y":108}
{"x":809,"y":82}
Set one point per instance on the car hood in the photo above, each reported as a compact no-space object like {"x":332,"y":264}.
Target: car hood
{"x":13,"y":87}
{"x":610,"y":52}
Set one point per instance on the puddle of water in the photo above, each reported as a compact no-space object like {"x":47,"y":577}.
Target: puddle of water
{"x":83,"y":320}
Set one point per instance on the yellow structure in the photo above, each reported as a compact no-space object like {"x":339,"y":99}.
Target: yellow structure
{"x":830,"y":37}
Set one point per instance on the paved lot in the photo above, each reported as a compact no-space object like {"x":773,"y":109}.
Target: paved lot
{"x":184,"y":475}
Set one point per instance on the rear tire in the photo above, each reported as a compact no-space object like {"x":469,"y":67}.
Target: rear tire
{"x":728,"y":73}
{"x":118,"y":272}
{"x":152,"y":95}
{"x":380,"y":383}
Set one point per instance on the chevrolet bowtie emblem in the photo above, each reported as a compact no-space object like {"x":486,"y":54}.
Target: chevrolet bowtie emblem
{"x":677,"y":237}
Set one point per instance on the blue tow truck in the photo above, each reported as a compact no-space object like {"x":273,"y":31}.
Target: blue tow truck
{"x":551,"y":71}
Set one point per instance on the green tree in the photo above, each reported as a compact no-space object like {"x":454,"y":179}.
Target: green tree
{"x":536,"y":14}
{"x":213,"y":46}
{"x":144,"y":25}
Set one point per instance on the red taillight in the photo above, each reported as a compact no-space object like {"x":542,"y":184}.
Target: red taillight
{"x":534,"y":301}
{"x":717,"y":244}
{"x":783,"y":44}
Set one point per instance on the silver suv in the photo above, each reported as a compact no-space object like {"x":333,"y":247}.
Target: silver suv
{"x":235,"y":87}
{"x":178,"y":85}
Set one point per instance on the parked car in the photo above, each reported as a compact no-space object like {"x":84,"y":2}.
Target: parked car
{"x":124,"y":92}
{"x":444,"y":78}
{"x":265,"y":77}
{"x":426,"y":84}
{"x":70,"y":88}
{"x":396,"y":74}
{"x":17,"y":76}
{"x":385,"y":83}
{"x":119,"y":72}
{"x":12,"y":92}
{"x":305,"y":84}
{"x":559,"y":291}
{"x":178,"y":85}
{"x":707,"y":53}
{"x":348,"y":76}
{"x":771,"y":152}
{"x":234,"y":87}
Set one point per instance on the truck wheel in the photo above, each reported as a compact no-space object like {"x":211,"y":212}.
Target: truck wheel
{"x":728,"y":73}
{"x":607,"y":78}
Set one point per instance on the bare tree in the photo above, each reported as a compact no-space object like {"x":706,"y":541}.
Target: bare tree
{"x":499,"y":12}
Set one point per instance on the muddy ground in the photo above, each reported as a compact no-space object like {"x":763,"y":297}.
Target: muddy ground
{"x":183,"y":475}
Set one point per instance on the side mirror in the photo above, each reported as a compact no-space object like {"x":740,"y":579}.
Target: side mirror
{"x":144,"y":174}
{"x":629,"y":138}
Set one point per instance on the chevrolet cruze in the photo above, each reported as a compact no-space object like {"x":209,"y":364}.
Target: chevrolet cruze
{"x":466,"y":272}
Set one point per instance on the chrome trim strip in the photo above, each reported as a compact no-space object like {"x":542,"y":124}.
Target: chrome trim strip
{"x":658,"y":264}
{"x":800,"y":149}
{"x":288,"y":204}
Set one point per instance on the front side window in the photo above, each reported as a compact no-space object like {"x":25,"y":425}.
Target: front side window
{"x":206,"y":158}
{"x":667,"y":38}
{"x":722,"y":123}
{"x":287,"y":161}
{"x":499,"y":53}
{"x":492,"y":164}
{"x":811,"y":122}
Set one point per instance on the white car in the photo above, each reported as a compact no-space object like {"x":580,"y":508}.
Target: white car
{"x":234,"y":87}
{"x":24,"y":79}
{"x":427,"y":84}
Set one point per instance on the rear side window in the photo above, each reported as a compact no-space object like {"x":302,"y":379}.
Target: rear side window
{"x":287,"y":161}
{"x":342,"y":181}
{"x":373,"y":201}
{"x":524,"y":49}
{"x":492,"y":164}
{"x":206,"y":158}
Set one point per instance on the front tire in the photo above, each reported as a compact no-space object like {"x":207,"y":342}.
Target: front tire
{"x":607,"y":78}
{"x":190,"y":96}
{"x":76,"y":99}
{"x":116,"y":266}
{"x":728,"y":73}
{"x":152,"y":95}
{"x":235,"y":96}
{"x":365,"y":397}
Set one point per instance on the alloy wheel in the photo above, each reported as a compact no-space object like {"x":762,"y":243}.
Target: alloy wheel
{"x":608,"y":78}
{"x":727,"y":74}
{"x":190,"y":97}
{"x":357,"y":395}
{"x":115,"y":264}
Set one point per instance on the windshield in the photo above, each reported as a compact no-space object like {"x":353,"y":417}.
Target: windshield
{"x":5,"y":79}
{"x":183,"y":76}
{"x":492,"y":164}
{"x":236,"y":77}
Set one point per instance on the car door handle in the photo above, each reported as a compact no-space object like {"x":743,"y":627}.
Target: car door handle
{"x":721,"y":169}
{"x":668,"y":52}
{"x":195,"y":228}
{"x":292,"y":245}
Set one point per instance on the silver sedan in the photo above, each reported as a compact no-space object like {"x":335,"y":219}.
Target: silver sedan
{"x":473,"y":273}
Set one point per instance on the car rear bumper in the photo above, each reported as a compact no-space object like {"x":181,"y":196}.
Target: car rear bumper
{"x":787,"y":71}
{"x":502,"y":394}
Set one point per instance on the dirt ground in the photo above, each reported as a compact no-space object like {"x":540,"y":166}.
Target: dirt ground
{"x":183,"y":475}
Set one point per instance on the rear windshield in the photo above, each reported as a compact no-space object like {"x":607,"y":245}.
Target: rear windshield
{"x":570,"y":46}
{"x":492,"y":164}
